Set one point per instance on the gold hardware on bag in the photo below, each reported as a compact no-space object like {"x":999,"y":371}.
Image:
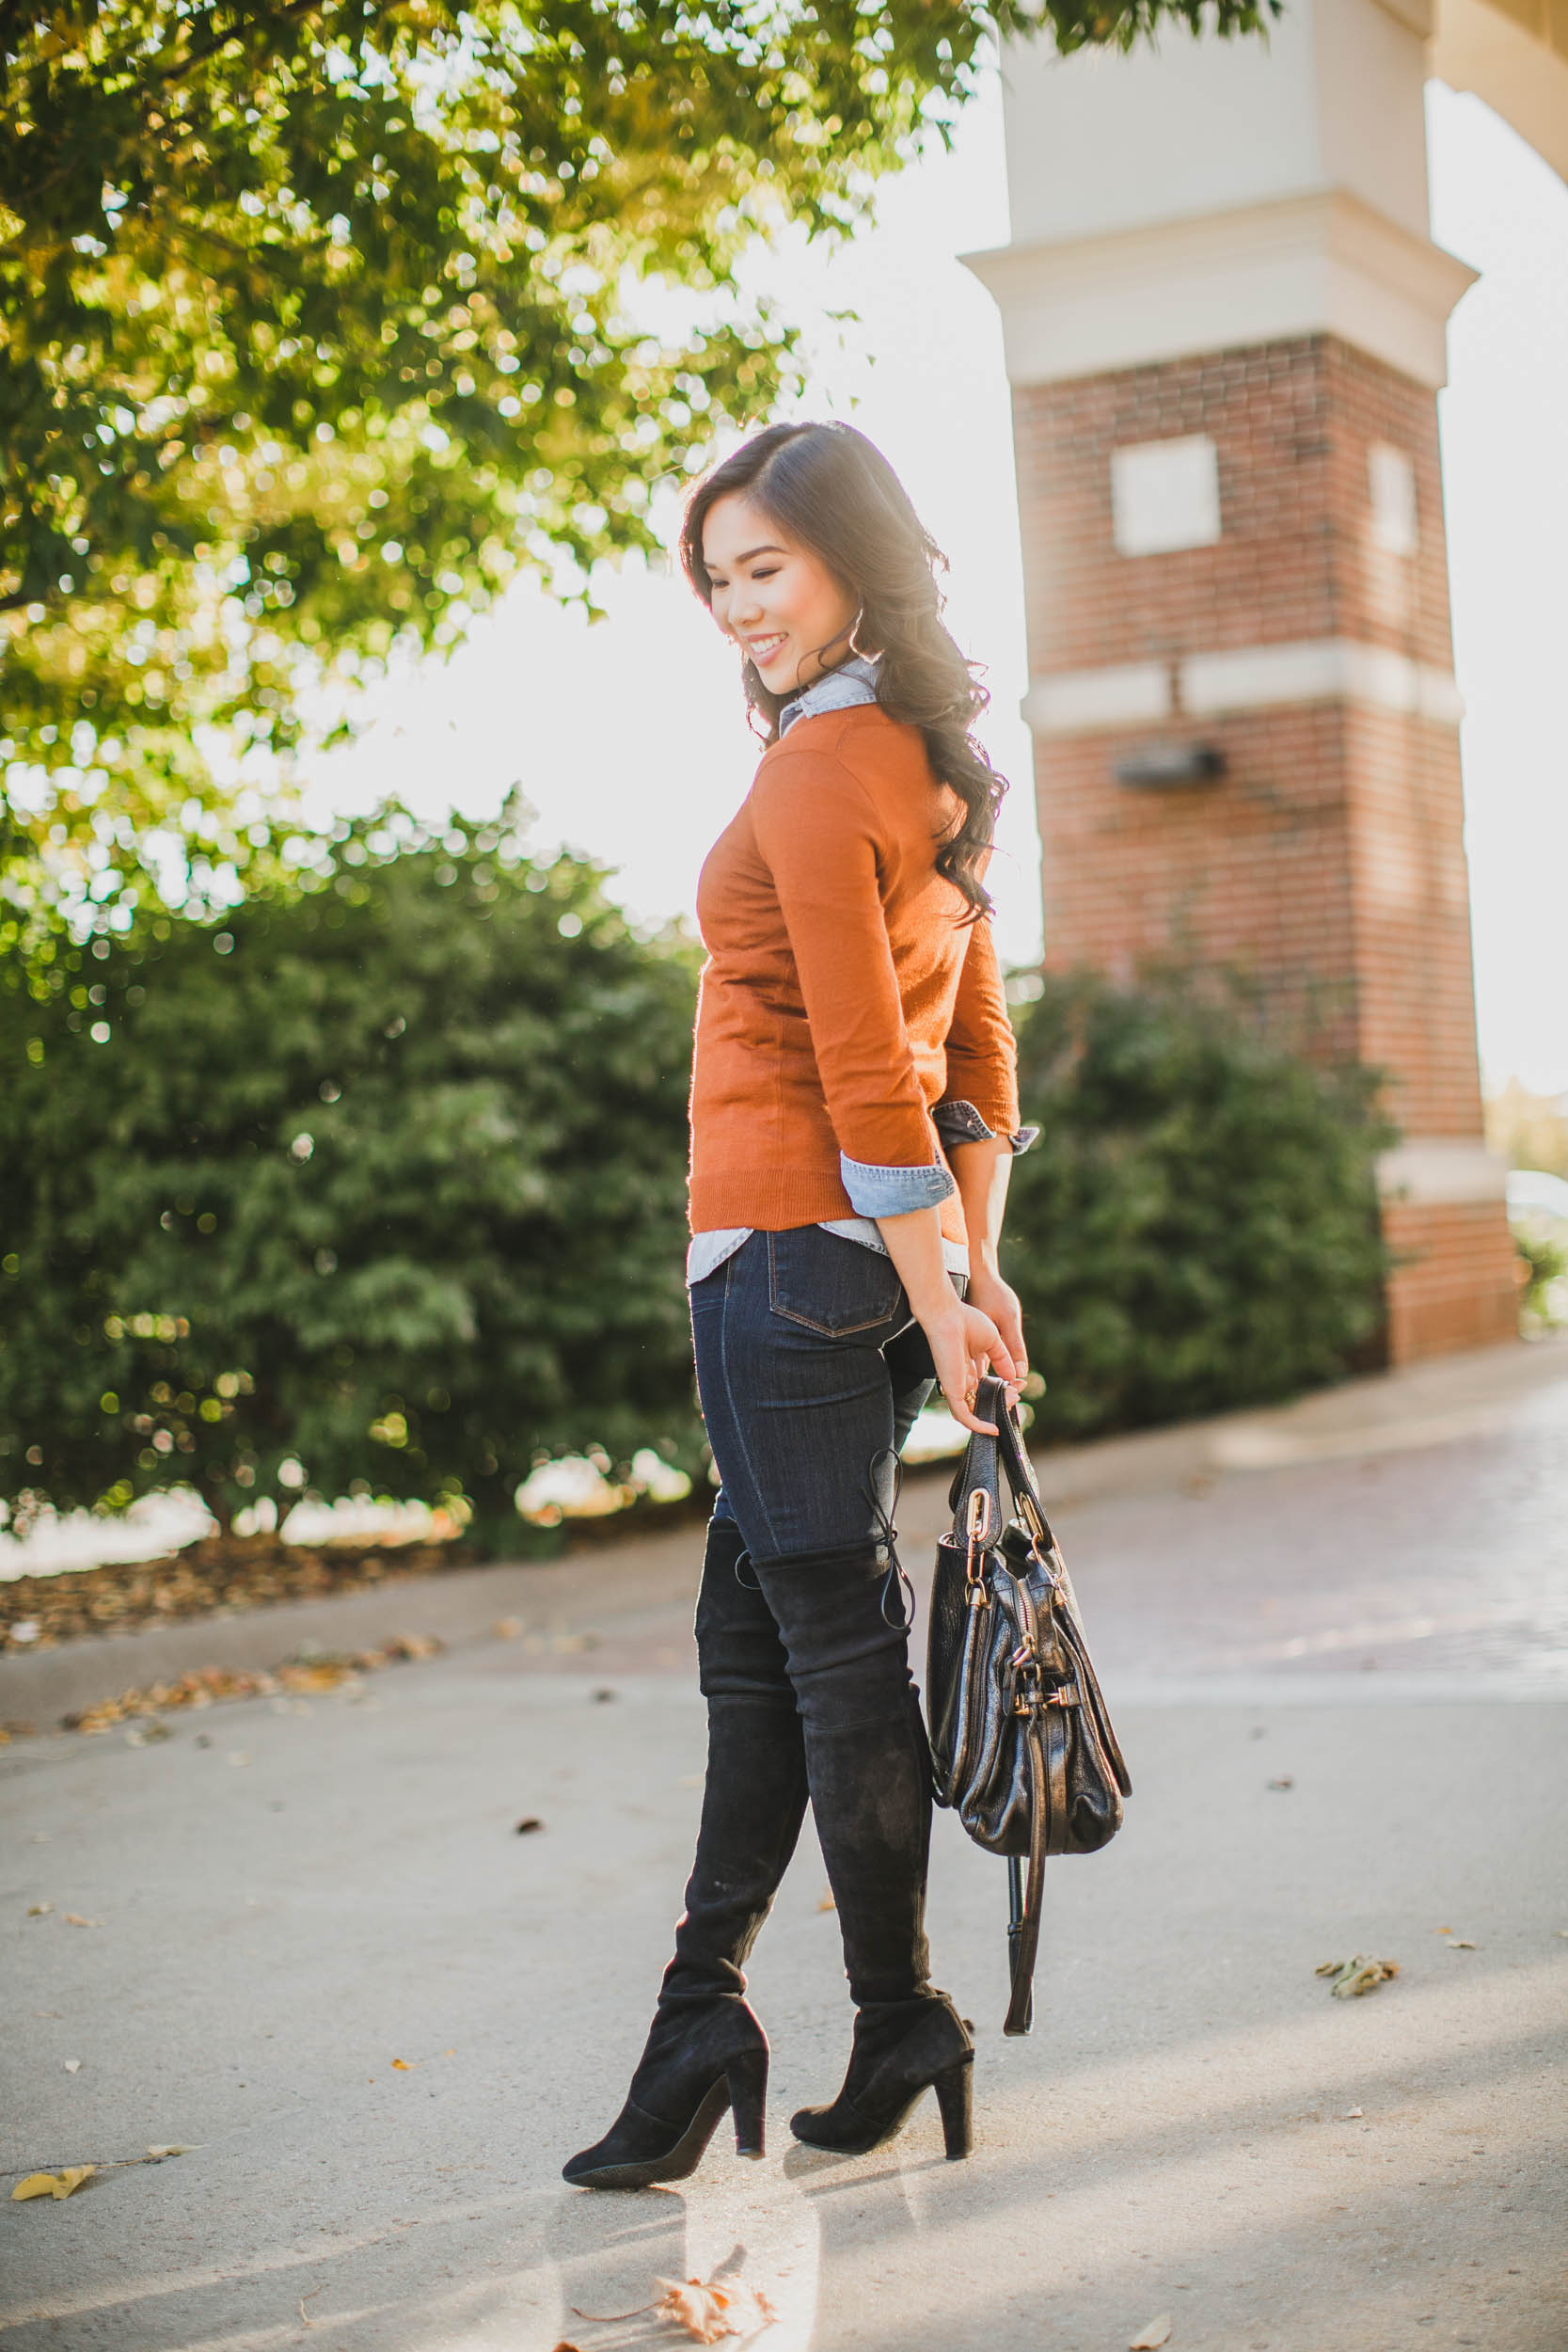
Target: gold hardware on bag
{"x":977,"y":1527}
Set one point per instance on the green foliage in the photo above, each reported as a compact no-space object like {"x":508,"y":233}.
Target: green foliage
{"x":1543,"y":1299}
{"x":1197,"y":1226}
{"x":320,"y":320}
{"x":379,"y":1186}
{"x":383,"y":1179}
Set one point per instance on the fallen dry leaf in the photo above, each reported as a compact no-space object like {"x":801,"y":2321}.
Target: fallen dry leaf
{"x":40,"y":1911}
{"x":172,"y":2148}
{"x":73,"y":2066}
{"x":1350,"y":2115}
{"x":75,"y":1919}
{"x":709,"y":2310}
{"x":1459,"y":1943}
{"x":529,"y":1824}
{"x":59,"y":2184}
{"x":507,"y":1629}
{"x":401,"y":2065}
{"x":416,"y":1645}
{"x":1285,"y":1781}
{"x":1150,"y":2339}
{"x":1357,"y":1975}
{"x":825,"y":1900}
{"x":565,"y":2346}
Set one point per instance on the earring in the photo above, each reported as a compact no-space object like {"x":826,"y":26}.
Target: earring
{"x":854,"y":628}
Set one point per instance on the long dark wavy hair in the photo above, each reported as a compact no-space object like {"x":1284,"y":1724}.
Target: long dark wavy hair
{"x":833,"y":493}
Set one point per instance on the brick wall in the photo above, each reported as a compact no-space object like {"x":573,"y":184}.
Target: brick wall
{"x":1328,"y":862}
{"x":1293,"y":422}
{"x":1460,"y":1286}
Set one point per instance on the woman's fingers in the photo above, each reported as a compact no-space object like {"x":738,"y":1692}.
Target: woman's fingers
{"x":988,"y":1351}
{"x":958,"y":1383}
{"x":982,"y":1349}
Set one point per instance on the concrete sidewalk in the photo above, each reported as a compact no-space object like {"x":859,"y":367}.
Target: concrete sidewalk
{"x":294,"y":1895}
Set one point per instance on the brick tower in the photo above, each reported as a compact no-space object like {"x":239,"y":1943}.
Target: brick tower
{"x":1225,"y":331}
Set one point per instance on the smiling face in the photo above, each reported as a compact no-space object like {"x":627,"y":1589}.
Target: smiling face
{"x":783,"y":606}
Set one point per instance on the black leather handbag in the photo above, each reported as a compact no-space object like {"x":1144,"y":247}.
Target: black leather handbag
{"x":1021,"y":1747}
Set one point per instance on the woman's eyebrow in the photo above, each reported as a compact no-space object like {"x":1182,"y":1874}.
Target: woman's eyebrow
{"x":750,"y":554}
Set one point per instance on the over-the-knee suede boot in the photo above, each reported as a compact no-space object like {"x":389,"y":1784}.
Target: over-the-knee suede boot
{"x":705,"y":2050}
{"x":869,"y":1769}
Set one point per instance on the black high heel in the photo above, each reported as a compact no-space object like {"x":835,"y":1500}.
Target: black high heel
{"x":956,"y":2098}
{"x":897,"y":2058}
{"x":641,"y":2148}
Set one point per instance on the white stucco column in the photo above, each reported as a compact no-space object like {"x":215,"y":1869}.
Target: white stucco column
{"x":1203,"y":193}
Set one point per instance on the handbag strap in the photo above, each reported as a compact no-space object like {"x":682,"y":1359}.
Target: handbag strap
{"x":990,"y":1463}
{"x":1023,"y":1937}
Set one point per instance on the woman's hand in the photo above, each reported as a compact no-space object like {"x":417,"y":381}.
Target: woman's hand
{"x":965,"y":1344}
{"x":998,"y":1300}
{"x":966,"y":1339}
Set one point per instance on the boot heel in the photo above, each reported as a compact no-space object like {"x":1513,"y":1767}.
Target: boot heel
{"x":955,"y":2098}
{"x":746,"y":2078}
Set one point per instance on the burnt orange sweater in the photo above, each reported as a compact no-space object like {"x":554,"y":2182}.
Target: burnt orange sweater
{"x":844,"y":996}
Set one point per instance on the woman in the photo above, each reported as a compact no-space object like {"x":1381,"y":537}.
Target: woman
{"x":842,"y":1258}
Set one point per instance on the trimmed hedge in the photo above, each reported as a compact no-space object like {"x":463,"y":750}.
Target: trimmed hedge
{"x":379,"y":1188}
{"x":1197,"y":1226}
{"x":380,"y":1182}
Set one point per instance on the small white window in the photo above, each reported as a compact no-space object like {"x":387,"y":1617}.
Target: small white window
{"x":1392,"y":479}
{"x":1165,"y":495}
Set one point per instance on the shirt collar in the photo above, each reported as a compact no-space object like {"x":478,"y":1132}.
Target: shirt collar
{"x":853,"y":682}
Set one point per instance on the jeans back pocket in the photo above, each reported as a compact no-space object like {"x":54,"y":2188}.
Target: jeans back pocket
{"x":829,"y":1284}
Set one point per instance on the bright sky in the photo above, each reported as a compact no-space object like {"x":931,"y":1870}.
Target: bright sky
{"x":628,"y":736}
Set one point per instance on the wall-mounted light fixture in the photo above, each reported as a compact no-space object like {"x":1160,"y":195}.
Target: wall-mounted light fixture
{"x":1165,"y":767}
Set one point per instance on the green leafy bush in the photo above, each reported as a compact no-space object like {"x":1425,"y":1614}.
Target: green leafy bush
{"x":379,"y":1188}
{"x":380,"y":1182}
{"x":1543,"y":1299}
{"x":1197,"y":1226}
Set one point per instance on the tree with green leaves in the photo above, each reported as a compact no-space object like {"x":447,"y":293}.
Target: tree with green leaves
{"x":378,"y":1187}
{"x":322,"y":317}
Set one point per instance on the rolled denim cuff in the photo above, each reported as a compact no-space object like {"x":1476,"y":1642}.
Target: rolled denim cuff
{"x":961,"y":1122}
{"x":894,"y":1191}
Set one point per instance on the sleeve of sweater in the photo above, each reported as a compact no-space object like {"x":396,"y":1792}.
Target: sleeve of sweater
{"x":982,"y":1057}
{"x":817,"y":831}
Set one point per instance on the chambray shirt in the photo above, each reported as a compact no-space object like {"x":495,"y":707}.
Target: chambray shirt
{"x":874,"y":1192}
